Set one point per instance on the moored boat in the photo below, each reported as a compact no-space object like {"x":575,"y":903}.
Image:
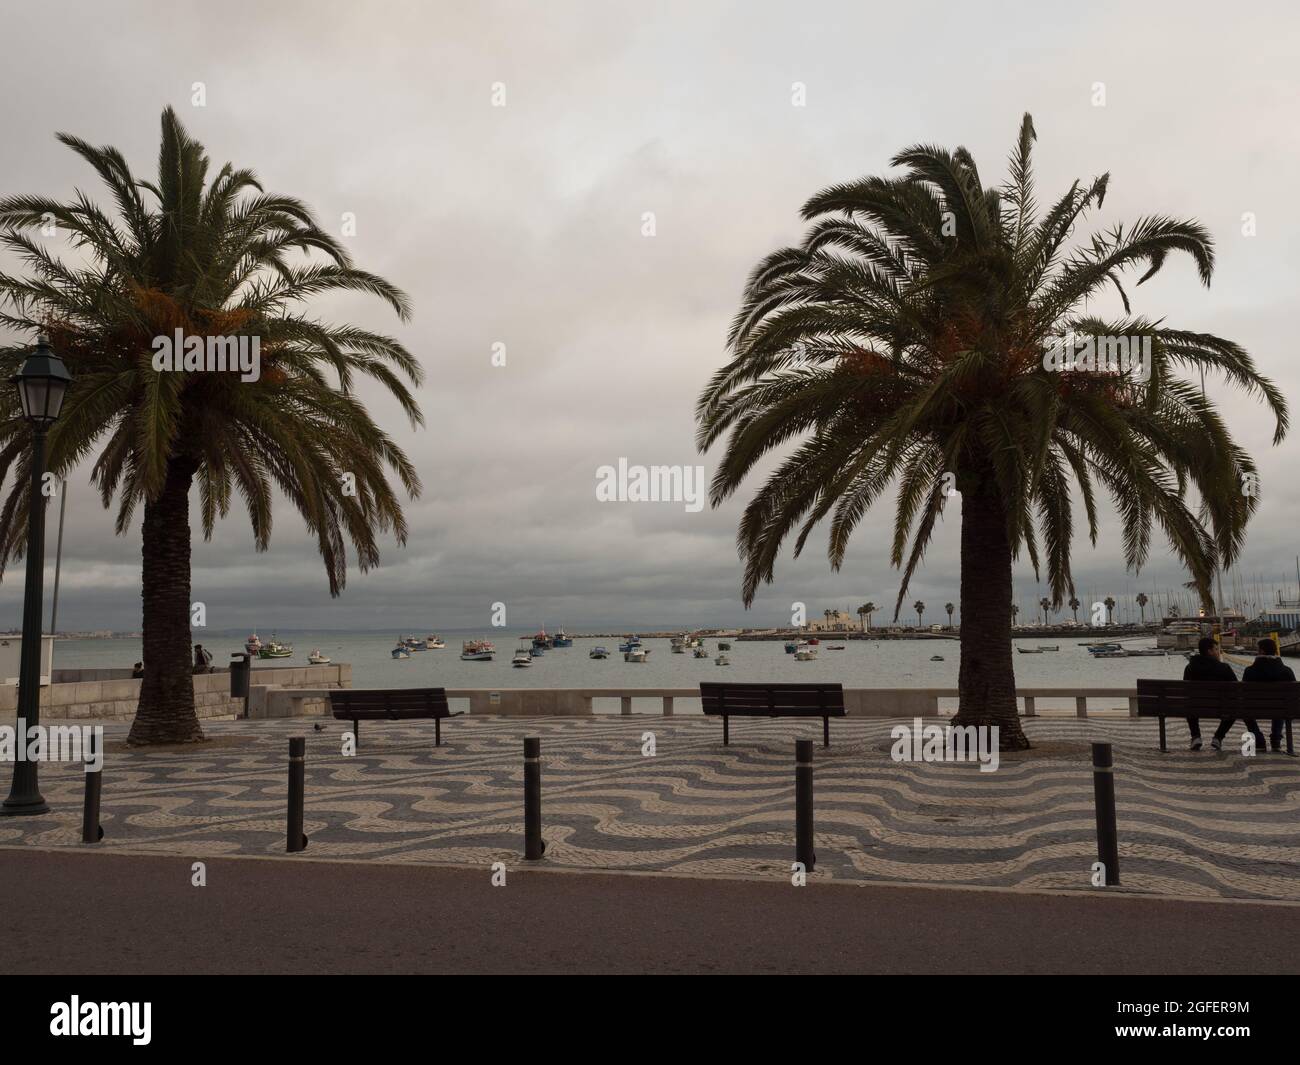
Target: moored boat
{"x":252,"y":645}
{"x":722,"y":660}
{"x":414,"y":643}
{"x":318,"y":659}
{"x":561,"y":640}
{"x":434,"y":643}
{"x":273,"y":648}
{"x":523,"y":657}
{"x":805,"y":654}
{"x":598,"y":652}
{"x":400,"y":650}
{"x":701,"y":652}
{"x":477,"y":651}
{"x":635,"y":654}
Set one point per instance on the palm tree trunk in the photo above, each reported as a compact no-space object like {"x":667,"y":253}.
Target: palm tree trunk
{"x":165,"y":713}
{"x":986,"y":681}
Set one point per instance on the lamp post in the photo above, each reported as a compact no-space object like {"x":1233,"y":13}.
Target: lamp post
{"x":42,"y":383}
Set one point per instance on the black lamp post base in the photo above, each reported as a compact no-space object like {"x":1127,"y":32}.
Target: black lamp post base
{"x":34,"y":804}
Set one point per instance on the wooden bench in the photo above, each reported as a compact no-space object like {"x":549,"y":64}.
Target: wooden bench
{"x":1200,"y":699}
{"x":773,"y":700}
{"x":391,"y":704}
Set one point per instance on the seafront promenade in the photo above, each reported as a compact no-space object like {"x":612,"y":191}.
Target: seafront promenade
{"x":1200,"y":825}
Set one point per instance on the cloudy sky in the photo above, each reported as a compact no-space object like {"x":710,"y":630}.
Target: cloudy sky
{"x":523,"y":226}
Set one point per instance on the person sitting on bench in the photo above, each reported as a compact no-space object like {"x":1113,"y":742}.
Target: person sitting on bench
{"x":1207,"y":665}
{"x":1267,"y":668}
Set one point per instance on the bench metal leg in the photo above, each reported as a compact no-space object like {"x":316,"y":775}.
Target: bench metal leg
{"x":826,"y":732}
{"x":726,"y":731}
{"x":1162,"y":736}
{"x":437,"y":732}
{"x":356,"y":733}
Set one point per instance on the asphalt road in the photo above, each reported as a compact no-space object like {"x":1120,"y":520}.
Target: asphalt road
{"x":93,"y":913}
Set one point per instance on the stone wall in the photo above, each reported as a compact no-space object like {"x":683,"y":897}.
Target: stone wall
{"x":83,"y":694}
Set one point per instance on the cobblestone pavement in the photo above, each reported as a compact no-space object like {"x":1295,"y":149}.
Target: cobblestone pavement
{"x":1201,"y":824}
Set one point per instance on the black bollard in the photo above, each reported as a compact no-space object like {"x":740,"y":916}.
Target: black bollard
{"x":91,"y":830}
{"x":1103,"y":790}
{"x":296,"y":839}
{"x":803,"y":804}
{"x":534,"y":847}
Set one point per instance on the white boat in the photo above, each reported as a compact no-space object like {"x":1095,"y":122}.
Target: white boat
{"x":434,"y":643}
{"x":318,"y":659}
{"x":636,"y":654}
{"x":722,"y":660}
{"x":415,"y":644}
{"x":598,"y":652}
{"x":806,"y":654}
{"x":477,"y":651}
{"x":400,"y":651}
{"x":523,"y":657}
{"x":700,"y":652}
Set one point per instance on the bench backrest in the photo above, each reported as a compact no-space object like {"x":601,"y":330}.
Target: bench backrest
{"x":431,"y":702}
{"x":1210,"y":698}
{"x":793,"y":700}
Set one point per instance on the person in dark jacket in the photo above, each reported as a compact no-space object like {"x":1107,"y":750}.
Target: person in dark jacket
{"x":1268,"y":668}
{"x":1207,"y":665}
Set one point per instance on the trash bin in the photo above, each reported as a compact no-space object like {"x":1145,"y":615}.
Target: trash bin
{"x":239,"y":671}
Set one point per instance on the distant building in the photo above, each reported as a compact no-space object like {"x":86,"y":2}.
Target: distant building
{"x":834,"y":621}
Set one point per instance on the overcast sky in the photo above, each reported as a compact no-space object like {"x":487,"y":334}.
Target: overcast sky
{"x":522,"y":225}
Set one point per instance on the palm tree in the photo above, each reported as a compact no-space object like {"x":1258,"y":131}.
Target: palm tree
{"x":919,"y":607}
{"x":1109,"y":603}
{"x":865,"y":611}
{"x":210,"y":258}
{"x":948,"y":609}
{"x":1044,"y":605}
{"x":1074,"y":608}
{"x":905,"y":340}
{"x":1142,"y":600}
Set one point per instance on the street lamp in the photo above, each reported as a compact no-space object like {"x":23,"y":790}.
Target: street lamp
{"x":42,"y":383}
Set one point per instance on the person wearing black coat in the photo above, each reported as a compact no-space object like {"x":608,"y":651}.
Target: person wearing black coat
{"x":1207,"y":665}
{"x":1267,"y":669}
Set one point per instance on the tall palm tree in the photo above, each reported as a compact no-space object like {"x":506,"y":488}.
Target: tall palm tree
{"x":919,"y":607}
{"x":213,"y":259}
{"x":904,"y":339}
{"x":865,"y":611}
{"x":1109,"y":603}
{"x":948,"y":609}
{"x":1142,"y":600}
{"x":1044,"y":605}
{"x":1074,"y":608}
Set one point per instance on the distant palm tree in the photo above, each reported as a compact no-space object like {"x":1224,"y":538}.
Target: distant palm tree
{"x":1074,"y":608}
{"x":209,"y":258}
{"x":1142,"y":601}
{"x":1045,"y":605}
{"x":919,"y":607}
{"x":905,"y":340}
{"x":1110,"y":610}
{"x":948,"y":608}
{"x":864,"y":612}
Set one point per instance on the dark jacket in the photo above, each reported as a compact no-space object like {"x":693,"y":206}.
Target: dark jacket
{"x":1203,"y":667}
{"x":1267,"y":668}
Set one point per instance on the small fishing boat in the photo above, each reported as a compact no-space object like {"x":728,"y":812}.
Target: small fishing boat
{"x":434,"y":643}
{"x":415,"y":644}
{"x":598,"y":652}
{"x":791,"y":647}
{"x":561,"y":640}
{"x":252,"y":645}
{"x":537,"y":652}
{"x":1029,"y":650}
{"x":275,"y":649}
{"x":805,"y":654}
{"x":630,"y":643}
{"x":400,"y":651}
{"x":701,"y":652}
{"x":1110,"y":654}
{"x":477,"y":651}
{"x":936,"y":658}
{"x":835,"y":647}
{"x":679,"y":645}
{"x":635,"y":654}
{"x":1046,"y":647}
{"x":722,"y":660}
{"x":318,"y":659}
{"x":1102,"y":648}
{"x":541,"y":640}
{"x":724,"y":646}
{"x":523,"y":657}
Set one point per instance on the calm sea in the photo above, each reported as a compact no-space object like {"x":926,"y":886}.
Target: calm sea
{"x":862,"y":664}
